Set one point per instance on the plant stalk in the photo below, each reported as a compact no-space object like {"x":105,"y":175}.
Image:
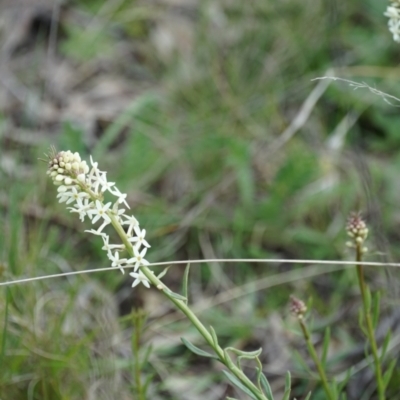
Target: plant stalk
{"x":370,"y":328}
{"x":259,"y":395}
{"x":316,"y":360}
{"x":135,"y":350}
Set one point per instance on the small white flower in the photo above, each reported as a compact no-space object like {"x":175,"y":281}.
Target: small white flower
{"x":139,"y":239}
{"x":117,"y":211}
{"x":96,"y":232}
{"x":138,"y":259}
{"x":121,"y":196}
{"x":392,"y":12}
{"x":93,"y":164}
{"x":95,"y":184}
{"x":107,"y":246}
{"x":105,"y":185}
{"x":132,"y":222}
{"x":140,"y":278}
{"x":102,"y":226}
{"x":72,"y":195}
{"x":116,"y":261}
{"x":82,"y":207}
{"x":100,"y":212}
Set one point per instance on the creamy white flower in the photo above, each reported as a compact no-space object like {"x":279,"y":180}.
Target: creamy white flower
{"x":105,"y":185}
{"x":139,"y":278}
{"x":138,"y":258}
{"x":121,"y":196}
{"x":109,"y":247}
{"x":102,"y":226}
{"x":117,"y":262}
{"x":100,"y":211}
{"x":139,"y":239}
{"x":82,"y":207}
{"x":132,"y":222}
{"x":72,"y":195}
{"x":96,"y":232}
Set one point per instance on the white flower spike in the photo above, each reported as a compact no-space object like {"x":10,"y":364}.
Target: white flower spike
{"x":85,"y":188}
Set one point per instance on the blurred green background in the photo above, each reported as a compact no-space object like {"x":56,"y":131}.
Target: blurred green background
{"x":207,"y":115}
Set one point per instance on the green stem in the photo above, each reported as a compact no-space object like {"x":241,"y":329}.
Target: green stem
{"x":137,"y":320}
{"x":189,"y":314}
{"x":316,"y":360}
{"x":370,"y":328}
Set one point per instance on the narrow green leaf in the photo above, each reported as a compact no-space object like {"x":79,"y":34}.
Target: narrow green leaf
{"x":266,"y":387}
{"x":389,"y":372}
{"x":235,"y":381}
{"x":186,"y":282}
{"x":361,"y":322}
{"x":249,"y":356}
{"x":5,"y":327}
{"x":385,"y":345}
{"x":196,"y":350}
{"x":366,"y":350}
{"x":376,"y":300}
{"x":308,"y":396}
{"x":325,"y":347}
{"x":162,"y":274}
{"x":231,"y":398}
{"x":368,"y":298}
{"x":287,"y":387}
{"x":303,"y":363}
{"x":334,"y":389}
{"x":146,"y":355}
{"x":175,"y":295}
{"x":147,"y":383}
{"x":214,"y":336}
{"x":245,"y":354}
{"x":228,"y":360}
{"x":343,"y":383}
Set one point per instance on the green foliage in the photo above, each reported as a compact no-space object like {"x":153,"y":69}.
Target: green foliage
{"x":84,"y":44}
{"x":193,"y":154}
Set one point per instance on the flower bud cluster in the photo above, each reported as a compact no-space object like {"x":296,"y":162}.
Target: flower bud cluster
{"x":297,"y":307}
{"x":84,"y":188}
{"x":393,"y":13}
{"x":65,"y":166}
{"x":356,"y":227}
{"x":357,"y":230}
